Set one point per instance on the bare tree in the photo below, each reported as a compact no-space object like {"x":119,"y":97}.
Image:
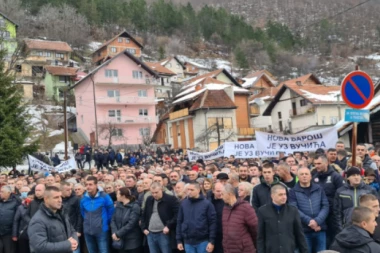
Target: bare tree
{"x":215,"y":132}
{"x":147,"y":137}
{"x":109,"y":132}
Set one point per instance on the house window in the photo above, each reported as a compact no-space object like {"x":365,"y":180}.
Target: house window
{"x":224,"y":123}
{"x":169,"y":65}
{"x":333,"y":120}
{"x":113,"y":93}
{"x":113,"y":49}
{"x":48,"y":54}
{"x":81,"y":118}
{"x":58,"y":55}
{"x":142,"y":93}
{"x":143,"y":112}
{"x":2,"y":22}
{"x":303,"y":102}
{"x":120,"y":40}
{"x":64,"y":79}
{"x":126,"y":40}
{"x":40,"y":53}
{"x":131,"y":51}
{"x":114,"y":114}
{"x":279,"y":116}
{"x":137,"y":74}
{"x":178,"y":66}
{"x":178,"y":130}
{"x":6,"y":34}
{"x":111,"y":73}
{"x":280,"y":125}
{"x":117,"y":132}
{"x":144,"y":131}
{"x":18,"y":68}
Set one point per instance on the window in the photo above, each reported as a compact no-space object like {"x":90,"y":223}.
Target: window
{"x":131,"y":50}
{"x":178,"y":66}
{"x":142,"y":93}
{"x":48,"y":54}
{"x":113,"y":94}
{"x":40,"y":53}
{"x":144,"y":131}
{"x":126,"y":40}
{"x":111,"y":73}
{"x":224,"y":123}
{"x":113,"y":49}
{"x":120,"y":40}
{"x":117,"y":132}
{"x":323,"y":120}
{"x":137,"y":74}
{"x":64,"y":79}
{"x":2,"y":22}
{"x":143,"y":112}
{"x":333,"y":120}
{"x":169,"y":65}
{"x":6,"y":35}
{"x":178,"y":130}
{"x":279,"y":116}
{"x":114,"y":114}
{"x":18,"y":68}
{"x":303,"y":102}
{"x":81,"y":118}
{"x":58,"y":55}
{"x":280,"y":125}
{"x":171,"y":133}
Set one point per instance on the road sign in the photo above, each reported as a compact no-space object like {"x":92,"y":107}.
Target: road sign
{"x":352,"y":115}
{"x":357,"y":89}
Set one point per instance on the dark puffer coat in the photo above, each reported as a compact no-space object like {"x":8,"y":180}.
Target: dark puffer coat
{"x":239,"y":228}
{"x":7,"y":213}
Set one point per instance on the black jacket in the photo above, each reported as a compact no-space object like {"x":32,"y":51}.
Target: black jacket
{"x":347,"y":197}
{"x":19,"y":221}
{"x":125,"y":224}
{"x":33,"y":208}
{"x":261,"y":193}
{"x":280,"y":232}
{"x":71,"y":207}
{"x":368,"y":163}
{"x":219,"y":206}
{"x":167,"y":210}
{"x":354,"y":239}
{"x":49,"y":232}
{"x":330,"y":181}
{"x":7,"y":213}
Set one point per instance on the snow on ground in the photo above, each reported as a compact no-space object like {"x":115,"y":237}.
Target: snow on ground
{"x":56,"y":132}
{"x":94,"y":45}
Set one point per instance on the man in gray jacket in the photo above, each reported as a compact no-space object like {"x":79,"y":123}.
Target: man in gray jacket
{"x":50,"y":230}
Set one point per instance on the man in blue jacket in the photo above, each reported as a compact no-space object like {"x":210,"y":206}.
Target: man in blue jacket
{"x":97,"y":209}
{"x":313,"y":207}
{"x":196,"y":224}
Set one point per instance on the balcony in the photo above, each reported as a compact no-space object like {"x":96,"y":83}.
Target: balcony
{"x":126,"y":101}
{"x":162,"y":95}
{"x":179,"y":114}
{"x":246,"y":131}
{"x":301,"y":111}
{"x":133,"y":82}
{"x":127,"y":120}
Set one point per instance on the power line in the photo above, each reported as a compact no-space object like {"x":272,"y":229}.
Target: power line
{"x":337,"y":14}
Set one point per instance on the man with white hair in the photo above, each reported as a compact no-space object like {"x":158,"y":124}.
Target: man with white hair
{"x":8,"y":207}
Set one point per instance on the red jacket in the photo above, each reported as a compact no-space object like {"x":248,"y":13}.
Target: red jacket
{"x":239,"y":228}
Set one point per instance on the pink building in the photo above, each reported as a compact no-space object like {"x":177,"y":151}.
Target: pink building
{"x":123,"y":88}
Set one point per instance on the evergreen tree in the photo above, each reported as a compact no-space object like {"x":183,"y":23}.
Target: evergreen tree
{"x":14,"y":127}
{"x":162,"y":53}
{"x":241,"y":59}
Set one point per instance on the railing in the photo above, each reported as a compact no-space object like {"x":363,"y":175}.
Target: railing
{"x":246,"y":131}
{"x":301,"y":111}
{"x":179,"y":114}
{"x":162,"y":95}
{"x":152,"y":81}
{"x":129,"y":120}
{"x":126,"y":100}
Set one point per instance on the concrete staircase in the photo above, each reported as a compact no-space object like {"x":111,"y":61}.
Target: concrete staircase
{"x":76,"y":137}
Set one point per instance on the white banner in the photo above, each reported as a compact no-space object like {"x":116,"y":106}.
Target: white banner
{"x":66,"y":166}
{"x":246,"y":149}
{"x":39,"y":166}
{"x":193,"y":156}
{"x":307,"y":141}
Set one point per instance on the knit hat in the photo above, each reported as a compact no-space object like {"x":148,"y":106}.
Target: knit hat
{"x":222,"y":176}
{"x":353,"y":171}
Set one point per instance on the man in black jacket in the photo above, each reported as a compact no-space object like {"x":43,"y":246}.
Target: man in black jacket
{"x":71,"y":207}
{"x":159,"y":219}
{"x":357,"y":237}
{"x":261,"y":193}
{"x":8,"y":207}
{"x":330,"y":181}
{"x":35,"y":204}
{"x":280,"y":228}
{"x":50,"y":230}
{"x":216,"y":199}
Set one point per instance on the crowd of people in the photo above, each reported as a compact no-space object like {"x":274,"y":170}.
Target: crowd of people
{"x":160,"y":202}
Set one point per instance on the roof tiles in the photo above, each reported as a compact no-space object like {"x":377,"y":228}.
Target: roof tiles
{"x":48,"y":45}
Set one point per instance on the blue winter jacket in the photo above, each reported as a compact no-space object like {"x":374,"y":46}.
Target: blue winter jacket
{"x":132,"y":161}
{"x":313,"y":207}
{"x":196,"y":221}
{"x":97,"y":213}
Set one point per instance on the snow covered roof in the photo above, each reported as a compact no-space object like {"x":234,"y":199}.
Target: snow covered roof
{"x":249,"y":82}
{"x":197,"y":65}
{"x":330,"y":96}
{"x":213,"y":86}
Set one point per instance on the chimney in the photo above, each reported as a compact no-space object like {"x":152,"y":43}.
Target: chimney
{"x":299,"y":83}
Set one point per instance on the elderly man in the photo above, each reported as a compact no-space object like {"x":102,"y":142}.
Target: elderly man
{"x":8,"y":207}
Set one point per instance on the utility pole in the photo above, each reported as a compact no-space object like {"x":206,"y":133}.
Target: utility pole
{"x":338,"y":102}
{"x":218,"y":130}
{"x":65,"y":119}
{"x":96,"y":117}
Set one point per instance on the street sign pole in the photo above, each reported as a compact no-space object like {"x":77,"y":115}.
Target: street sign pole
{"x":354,"y":136}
